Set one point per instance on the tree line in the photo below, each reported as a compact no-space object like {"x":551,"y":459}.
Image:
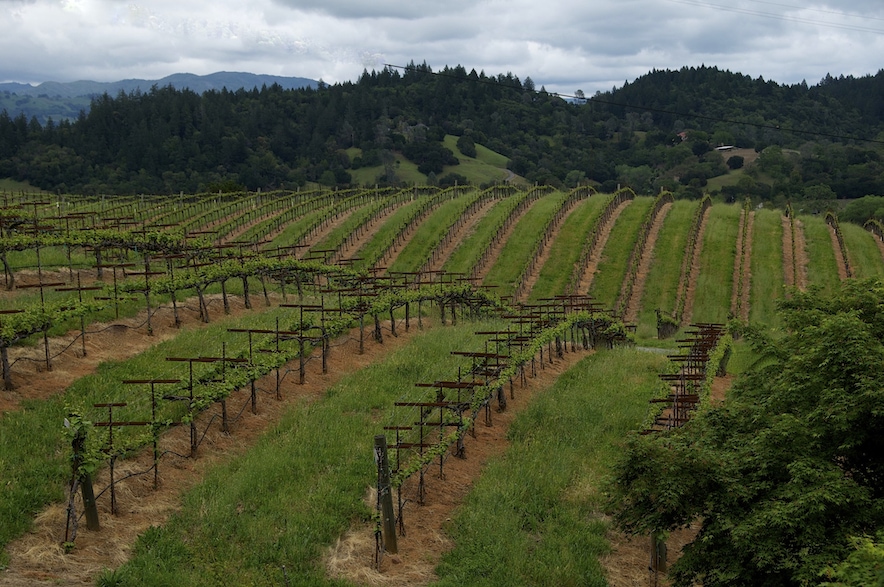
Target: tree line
{"x":815,"y":142}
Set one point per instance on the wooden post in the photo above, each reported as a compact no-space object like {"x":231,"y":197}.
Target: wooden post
{"x":385,"y":495}
{"x":85,"y":481}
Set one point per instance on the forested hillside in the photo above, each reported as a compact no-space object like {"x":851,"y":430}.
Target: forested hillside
{"x":815,"y":143}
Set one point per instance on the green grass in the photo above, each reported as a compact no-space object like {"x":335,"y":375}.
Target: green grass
{"x":486,"y":167}
{"x":767,"y":267}
{"x":714,"y":288}
{"x":293,"y":494}
{"x":337,"y":235}
{"x":405,"y":170}
{"x":612,"y":265}
{"x":566,"y":247}
{"x":33,"y":454}
{"x":520,"y":246}
{"x":533,"y":517}
{"x":862,"y":251}
{"x":465,"y":256}
{"x":53,"y":258}
{"x":434,"y":227}
{"x":293,"y":231}
{"x":661,"y":285}
{"x":732,"y":177}
{"x":822,"y":267}
{"x":12,"y":186}
{"x":388,"y":230}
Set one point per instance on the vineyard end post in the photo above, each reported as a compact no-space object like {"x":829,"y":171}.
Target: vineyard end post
{"x":385,"y":495}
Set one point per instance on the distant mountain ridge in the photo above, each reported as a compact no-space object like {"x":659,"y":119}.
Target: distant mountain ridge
{"x":197,"y":83}
{"x":65,"y":100}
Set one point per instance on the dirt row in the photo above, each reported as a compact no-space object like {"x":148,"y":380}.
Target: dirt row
{"x":462,"y":233}
{"x":352,"y":557}
{"x":843,"y":272}
{"x":644,"y":266}
{"x":533,"y":276}
{"x":694,"y":273}
{"x":592,"y":264}
{"x":38,"y":558}
{"x":742,"y":277}
{"x":794,"y":255}
{"x":104,"y":341}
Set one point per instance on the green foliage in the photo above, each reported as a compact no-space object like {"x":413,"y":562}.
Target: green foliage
{"x":864,"y":255}
{"x":431,"y":231}
{"x":466,"y":145}
{"x":605,"y":328}
{"x":864,"y":567}
{"x":470,"y":250}
{"x":566,"y":247}
{"x":167,"y":140}
{"x":788,"y":469}
{"x":862,"y":209}
{"x":822,"y":266}
{"x":666,"y":267}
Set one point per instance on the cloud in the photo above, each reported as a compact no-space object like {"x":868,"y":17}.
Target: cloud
{"x":396,"y":9}
{"x":560,"y":44}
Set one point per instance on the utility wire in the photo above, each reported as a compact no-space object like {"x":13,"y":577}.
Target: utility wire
{"x":820,"y":10}
{"x":597,"y":100}
{"x":783,"y":17}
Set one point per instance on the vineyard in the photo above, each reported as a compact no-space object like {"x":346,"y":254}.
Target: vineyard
{"x":301,"y":387}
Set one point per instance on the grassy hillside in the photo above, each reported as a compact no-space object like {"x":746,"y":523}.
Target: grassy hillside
{"x":486,"y":167}
{"x":302,"y":483}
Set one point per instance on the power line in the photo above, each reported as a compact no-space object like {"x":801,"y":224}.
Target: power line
{"x":783,"y":17}
{"x":806,"y":9}
{"x":597,"y":100}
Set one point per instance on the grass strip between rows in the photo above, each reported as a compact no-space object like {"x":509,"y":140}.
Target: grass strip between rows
{"x":822,"y":266}
{"x":533,"y":516}
{"x":297,"y":490}
{"x":714,"y":287}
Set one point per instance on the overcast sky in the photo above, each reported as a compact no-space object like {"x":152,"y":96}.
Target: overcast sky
{"x":564,"y":45}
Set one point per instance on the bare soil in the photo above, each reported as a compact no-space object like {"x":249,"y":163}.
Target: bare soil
{"x":363,"y":236}
{"x":743,"y":263}
{"x":38,"y":558}
{"x":531,"y":278}
{"x":502,"y":239}
{"x":352,"y":558}
{"x":105,"y":341}
{"x":694,"y":272}
{"x":592,"y":262}
{"x":463,"y":232}
{"x":644,"y":266}
{"x":843,"y":273}
{"x":801,"y":254}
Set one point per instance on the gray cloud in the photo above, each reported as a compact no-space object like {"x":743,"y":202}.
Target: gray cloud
{"x":361,"y":9}
{"x":558,"y":43}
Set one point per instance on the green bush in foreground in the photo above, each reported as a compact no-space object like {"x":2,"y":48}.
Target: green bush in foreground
{"x":785,"y":473}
